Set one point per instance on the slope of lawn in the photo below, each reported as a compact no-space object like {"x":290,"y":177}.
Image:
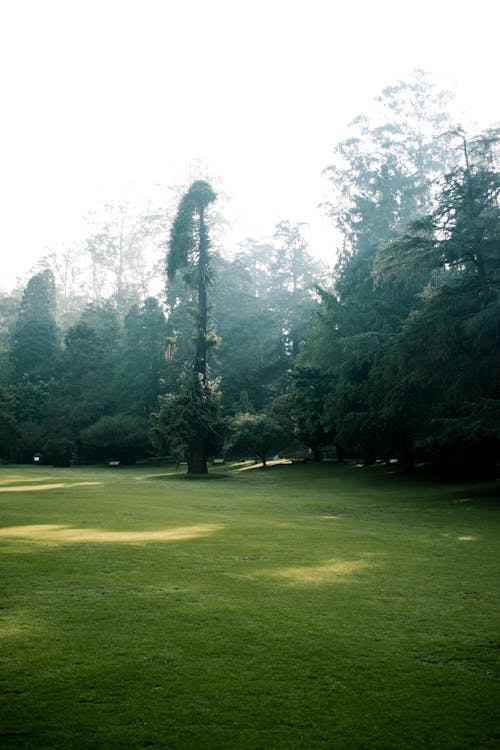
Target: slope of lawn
{"x":298,"y":607}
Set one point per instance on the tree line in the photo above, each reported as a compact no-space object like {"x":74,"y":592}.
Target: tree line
{"x":394,"y":355}
{"x":86,"y":383}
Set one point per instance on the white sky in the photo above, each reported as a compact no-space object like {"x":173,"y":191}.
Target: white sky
{"x":99,"y":98}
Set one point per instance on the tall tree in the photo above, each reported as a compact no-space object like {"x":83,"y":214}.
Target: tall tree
{"x":84,"y":390}
{"x":294,"y":272}
{"x":189,"y":252}
{"x":35,"y":339}
{"x":251,"y":357}
{"x":66,"y":263}
{"x":9,"y":308}
{"x":7,"y":424}
{"x":34,"y":354}
{"x":450,"y":342}
{"x":120,"y":250}
{"x":309,"y":391}
{"x":141,"y":366}
{"x":262,"y":307}
{"x":384,"y":178}
{"x":383,"y":174}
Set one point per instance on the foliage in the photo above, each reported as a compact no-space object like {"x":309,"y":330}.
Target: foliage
{"x":252,"y":354}
{"x":35,"y":340}
{"x":141,"y":366}
{"x":7,"y":423}
{"x":383,"y":175}
{"x":85,"y":388}
{"x":189,"y":244}
{"x":310,"y":388}
{"x":257,"y":435}
{"x":58,"y":450}
{"x":119,"y":250}
{"x":395,"y":356}
{"x":400,"y":335}
{"x":191,"y":427}
{"x":187,"y":423}
{"x":119,"y":437}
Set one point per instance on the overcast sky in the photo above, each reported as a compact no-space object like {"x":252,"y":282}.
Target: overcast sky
{"x":103,"y":99}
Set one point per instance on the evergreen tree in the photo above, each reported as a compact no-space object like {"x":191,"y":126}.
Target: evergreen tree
{"x":384,"y":180}
{"x":450,"y":343}
{"x":189,"y":252}
{"x":141,"y":366}
{"x":251,"y":356}
{"x":84,"y":390}
{"x":35,"y":340}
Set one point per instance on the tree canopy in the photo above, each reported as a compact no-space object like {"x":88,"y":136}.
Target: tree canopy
{"x":390,"y":354}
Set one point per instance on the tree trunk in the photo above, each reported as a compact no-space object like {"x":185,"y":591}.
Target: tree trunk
{"x":406,"y":458}
{"x":316,"y":453}
{"x":197,"y":457}
{"x":483,"y":278}
{"x":368,"y":455}
{"x":197,"y":463}
{"x":200,"y":361}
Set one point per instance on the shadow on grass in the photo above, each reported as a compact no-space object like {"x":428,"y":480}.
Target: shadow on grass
{"x":176,"y":476}
{"x":486,"y":495}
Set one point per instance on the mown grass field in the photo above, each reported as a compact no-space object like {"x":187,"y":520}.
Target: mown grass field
{"x":301,"y":607}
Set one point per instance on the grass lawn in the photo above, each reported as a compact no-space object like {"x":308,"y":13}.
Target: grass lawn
{"x":297,"y":608}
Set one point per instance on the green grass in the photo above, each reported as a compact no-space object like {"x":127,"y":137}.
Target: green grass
{"x":302,"y":607}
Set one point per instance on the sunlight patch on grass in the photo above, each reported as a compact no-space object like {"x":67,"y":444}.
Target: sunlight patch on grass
{"x":13,"y":478}
{"x":36,"y":487}
{"x":83,"y":484}
{"x":276,"y":462}
{"x":332,"y":571}
{"x":172,"y":473}
{"x":62,"y":534}
{"x":18,"y":628}
{"x":32,"y":487}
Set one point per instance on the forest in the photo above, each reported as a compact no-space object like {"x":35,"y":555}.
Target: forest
{"x":152,"y":339}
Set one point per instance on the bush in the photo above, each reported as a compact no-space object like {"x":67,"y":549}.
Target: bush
{"x":121,"y":437}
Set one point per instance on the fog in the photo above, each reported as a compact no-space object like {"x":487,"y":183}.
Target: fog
{"x":103,"y":101}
